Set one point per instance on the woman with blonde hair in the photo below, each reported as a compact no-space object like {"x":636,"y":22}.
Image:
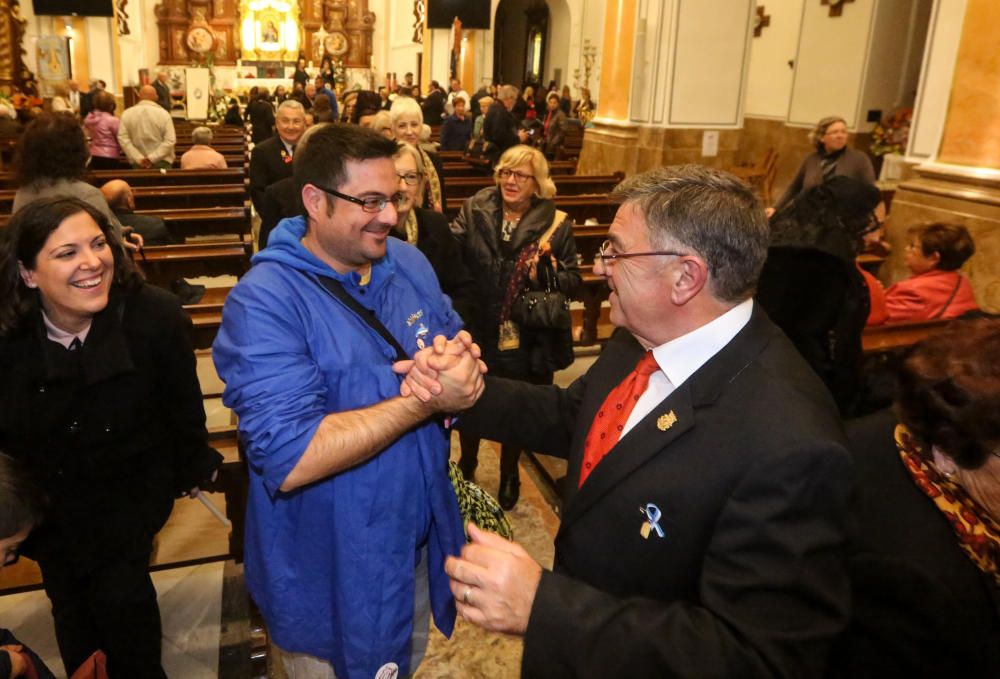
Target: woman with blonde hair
{"x":407,"y":122}
{"x":508,"y":234}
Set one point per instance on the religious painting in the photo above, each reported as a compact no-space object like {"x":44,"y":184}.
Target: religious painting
{"x":270,"y":29}
{"x":52,"y":52}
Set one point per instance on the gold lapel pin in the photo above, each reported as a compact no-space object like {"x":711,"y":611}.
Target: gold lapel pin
{"x":666,"y":421}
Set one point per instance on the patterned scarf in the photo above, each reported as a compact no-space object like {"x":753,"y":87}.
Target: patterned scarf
{"x":977,"y":533}
{"x":433,"y":190}
{"x":516,"y":281}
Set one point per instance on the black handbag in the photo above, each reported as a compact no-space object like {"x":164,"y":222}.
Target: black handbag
{"x":545,"y":309}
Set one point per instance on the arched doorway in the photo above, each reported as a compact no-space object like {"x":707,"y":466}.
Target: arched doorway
{"x":521,"y":37}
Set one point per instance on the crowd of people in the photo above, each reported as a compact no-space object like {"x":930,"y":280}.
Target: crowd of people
{"x":767,"y":541}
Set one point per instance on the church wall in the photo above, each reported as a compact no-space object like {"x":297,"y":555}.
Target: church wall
{"x":943,"y":39}
{"x":772,"y":60}
{"x":396,"y":26}
{"x":557,"y":52}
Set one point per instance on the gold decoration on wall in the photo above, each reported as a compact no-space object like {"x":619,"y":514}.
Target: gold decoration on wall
{"x":269,"y":30}
{"x":175,"y":18}
{"x":13,"y":71}
{"x":419,"y":17}
{"x":350,"y":18}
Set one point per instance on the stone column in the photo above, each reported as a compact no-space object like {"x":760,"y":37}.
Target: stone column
{"x":610,"y":144}
{"x":962,"y":184}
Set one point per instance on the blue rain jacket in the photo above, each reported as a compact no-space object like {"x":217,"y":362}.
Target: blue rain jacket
{"x":331,"y":565}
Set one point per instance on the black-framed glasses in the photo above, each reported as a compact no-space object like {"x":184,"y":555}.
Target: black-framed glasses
{"x":411,"y":178}
{"x":368,"y":204}
{"x":607,"y":254}
{"x":519,"y":177}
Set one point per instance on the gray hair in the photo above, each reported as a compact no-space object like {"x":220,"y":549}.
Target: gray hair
{"x":293,"y":105}
{"x":507,"y":92}
{"x":201,"y":135}
{"x":405,"y":148}
{"x":708,"y":211}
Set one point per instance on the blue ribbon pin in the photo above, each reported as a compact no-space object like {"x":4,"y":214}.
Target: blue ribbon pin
{"x":653,"y":515}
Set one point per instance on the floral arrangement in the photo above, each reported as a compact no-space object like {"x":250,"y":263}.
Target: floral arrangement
{"x":891,"y":134}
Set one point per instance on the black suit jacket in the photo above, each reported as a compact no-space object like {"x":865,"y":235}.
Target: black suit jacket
{"x":752,"y":481}
{"x":921,"y":607}
{"x":162,"y":94}
{"x":261,"y":116}
{"x":269,"y":162}
{"x":500,"y":130}
{"x":281,"y":199}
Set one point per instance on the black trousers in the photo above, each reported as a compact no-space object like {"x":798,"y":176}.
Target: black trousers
{"x":112,"y":609}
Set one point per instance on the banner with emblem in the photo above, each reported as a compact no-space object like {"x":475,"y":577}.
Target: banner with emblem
{"x":198,"y":92}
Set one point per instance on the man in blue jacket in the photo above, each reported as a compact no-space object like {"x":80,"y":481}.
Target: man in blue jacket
{"x":351,"y":513}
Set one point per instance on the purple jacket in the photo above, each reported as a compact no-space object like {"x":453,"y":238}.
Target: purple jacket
{"x":102,"y":127}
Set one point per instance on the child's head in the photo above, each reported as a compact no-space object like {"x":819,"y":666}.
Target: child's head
{"x":21,"y":504}
{"x":938,"y":246}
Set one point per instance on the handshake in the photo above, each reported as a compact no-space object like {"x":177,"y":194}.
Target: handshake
{"x":447,"y":376}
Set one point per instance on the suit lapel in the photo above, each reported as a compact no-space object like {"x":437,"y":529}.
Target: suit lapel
{"x":650,"y":437}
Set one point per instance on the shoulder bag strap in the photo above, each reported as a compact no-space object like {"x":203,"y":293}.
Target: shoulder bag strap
{"x":337,"y":290}
{"x":958,"y":283}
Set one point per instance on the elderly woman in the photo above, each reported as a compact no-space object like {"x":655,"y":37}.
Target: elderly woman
{"x":500,"y":229}
{"x":102,"y":128}
{"x":201,"y":155}
{"x":832,"y":157}
{"x":925,"y":568}
{"x":100,"y":400}
{"x":428,"y":230}
{"x":407,"y":123}
{"x":936,"y":288}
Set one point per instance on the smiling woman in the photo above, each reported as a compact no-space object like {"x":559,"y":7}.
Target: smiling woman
{"x":101,"y":403}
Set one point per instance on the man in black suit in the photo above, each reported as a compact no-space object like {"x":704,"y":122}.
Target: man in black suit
{"x":702,"y":531}
{"x":500,"y":129}
{"x":162,"y":90}
{"x":271,"y":160}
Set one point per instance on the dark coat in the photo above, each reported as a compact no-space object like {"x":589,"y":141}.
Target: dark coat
{"x":261,"y":116}
{"x":752,"y":481}
{"x":556,"y":133}
{"x":269,"y":162}
{"x":492,"y":263}
{"x":153,"y":229}
{"x":439,"y":246}
{"x":282,"y":199}
{"x":162,"y":93}
{"x":455,"y":133}
{"x":433,"y":108}
{"x":500,"y":130}
{"x":113,"y":432}
{"x":921,"y":606}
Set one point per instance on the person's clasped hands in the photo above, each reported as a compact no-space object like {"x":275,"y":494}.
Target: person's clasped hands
{"x":447,"y":374}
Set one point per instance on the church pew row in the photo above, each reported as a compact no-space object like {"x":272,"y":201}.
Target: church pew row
{"x":566,"y":185}
{"x":579,"y":208}
{"x":881,"y":339}
{"x":166,"y":263}
{"x":198,"y":221}
{"x":234,"y":175}
{"x":465,"y":168}
{"x":167,"y":197}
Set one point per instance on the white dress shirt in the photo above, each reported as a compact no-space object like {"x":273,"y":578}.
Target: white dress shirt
{"x":147,"y":130}
{"x":680,"y":358}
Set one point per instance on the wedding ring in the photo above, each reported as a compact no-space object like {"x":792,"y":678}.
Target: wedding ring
{"x":465,"y":595}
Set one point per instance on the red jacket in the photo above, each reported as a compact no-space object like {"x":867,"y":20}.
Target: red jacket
{"x":877,"y":315}
{"x":923,"y":297}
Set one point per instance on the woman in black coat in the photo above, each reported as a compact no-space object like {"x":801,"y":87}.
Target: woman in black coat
{"x":499,"y":230}
{"x":429,"y":231}
{"x":100,"y":400}
{"x":925,"y":567}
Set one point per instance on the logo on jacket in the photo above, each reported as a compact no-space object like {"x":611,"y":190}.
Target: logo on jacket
{"x":414,"y":317}
{"x":421,"y":333}
{"x":666,"y":421}
{"x":652,"y":516}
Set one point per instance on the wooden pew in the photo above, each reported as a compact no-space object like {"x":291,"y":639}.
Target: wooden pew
{"x":173,"y":177}
{"x":881,"y":339}
{"x":206,"y":317}
{"x":202,"y":221}
{"x":580,"y":208}
{"x":167,"y":197}
{"x":166,"y":263}
{"x":566,"y":185}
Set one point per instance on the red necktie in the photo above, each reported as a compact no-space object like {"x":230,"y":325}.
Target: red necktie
{"x":613,"y":414}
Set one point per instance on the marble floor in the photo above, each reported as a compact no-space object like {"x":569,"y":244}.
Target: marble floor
{"x":198,"y":621}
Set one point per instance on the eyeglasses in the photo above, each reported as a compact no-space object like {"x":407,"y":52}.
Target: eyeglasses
{"x":607,"y":255}
{"x":411,"y":178}
{"x":369,"y":204}
{"x":519,"y":177}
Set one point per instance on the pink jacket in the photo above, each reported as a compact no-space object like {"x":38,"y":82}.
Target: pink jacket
{"x":201,"y":157}
{"x":102,"y":128}
{"x":924,"y":296}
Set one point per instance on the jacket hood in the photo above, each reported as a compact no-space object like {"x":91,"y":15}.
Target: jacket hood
{"x":284,"y":246}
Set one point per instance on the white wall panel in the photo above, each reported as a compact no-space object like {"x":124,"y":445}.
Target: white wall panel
{"x":769,"y":79}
